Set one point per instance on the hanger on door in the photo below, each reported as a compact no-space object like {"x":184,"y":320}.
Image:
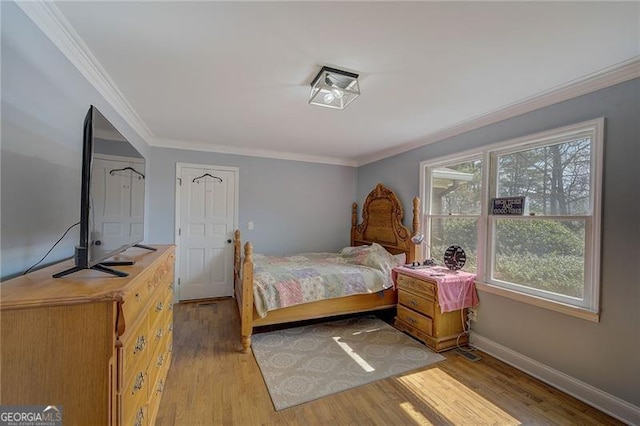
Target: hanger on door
{"x":126,"y":168}
{"x":206,"y":175}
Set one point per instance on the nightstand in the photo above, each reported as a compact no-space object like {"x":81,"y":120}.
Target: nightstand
{"x":419,"y":312}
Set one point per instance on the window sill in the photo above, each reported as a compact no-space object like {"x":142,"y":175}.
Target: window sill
{"x":542,"y":303}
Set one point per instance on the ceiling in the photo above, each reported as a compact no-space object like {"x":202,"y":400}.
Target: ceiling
{"x":234,"y":76}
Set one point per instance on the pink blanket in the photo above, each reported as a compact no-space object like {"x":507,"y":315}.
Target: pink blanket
{"x":456,"y":290}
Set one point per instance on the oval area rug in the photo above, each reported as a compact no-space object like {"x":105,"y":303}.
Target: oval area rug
{"x":306,"y":363}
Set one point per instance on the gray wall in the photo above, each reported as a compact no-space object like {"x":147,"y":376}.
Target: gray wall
{"x":301,"y":206}
{"x":604,"y":354}
{"x":44,"y":102}
{"x":295,"y":206}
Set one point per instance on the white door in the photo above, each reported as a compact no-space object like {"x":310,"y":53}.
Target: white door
{"x":117,"y":208}
{"x":206,"y":217}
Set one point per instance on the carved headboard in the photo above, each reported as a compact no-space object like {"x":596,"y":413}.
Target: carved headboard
{"x":382,"y":216}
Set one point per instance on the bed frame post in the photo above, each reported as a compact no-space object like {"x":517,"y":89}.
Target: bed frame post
{"x":354,"y":222}
{"x":416,"y":227}
{"x":237,"y":256}
{"x":246,"y":311}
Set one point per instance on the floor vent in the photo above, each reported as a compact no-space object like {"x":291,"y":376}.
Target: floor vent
{"x":469,"y":355}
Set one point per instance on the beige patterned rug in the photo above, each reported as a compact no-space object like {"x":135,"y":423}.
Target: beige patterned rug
{"x":306,"y":363}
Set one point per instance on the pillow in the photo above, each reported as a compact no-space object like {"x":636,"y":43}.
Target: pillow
{"x":400,"y":258}
{"x":351,"y":249}
{"x":374,"y":256}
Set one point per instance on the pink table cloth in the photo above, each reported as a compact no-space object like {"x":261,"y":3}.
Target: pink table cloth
{"x":456,"y":289}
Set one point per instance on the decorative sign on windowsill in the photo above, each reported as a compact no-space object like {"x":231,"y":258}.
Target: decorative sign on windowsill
{"x":514,"y":206}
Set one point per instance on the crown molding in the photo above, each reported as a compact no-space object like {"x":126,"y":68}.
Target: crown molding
{"x":54,"y":25}
{"x":250,"y":152}
{"x":619,"y":73}
{"x":51,"y":21}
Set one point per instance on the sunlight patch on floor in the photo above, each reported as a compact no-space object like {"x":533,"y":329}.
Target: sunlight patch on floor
{"x":365,"y":331}
{"x":453,"y":400}
{"x":354,"y":356}
{"x":415,"y":414}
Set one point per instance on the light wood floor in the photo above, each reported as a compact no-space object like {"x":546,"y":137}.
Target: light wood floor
{"x":211,"y":383}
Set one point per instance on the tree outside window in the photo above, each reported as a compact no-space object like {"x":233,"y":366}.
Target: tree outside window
{"x":551,"y":253}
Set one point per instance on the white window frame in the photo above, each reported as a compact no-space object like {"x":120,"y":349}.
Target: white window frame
{"x":589,"y":307}
{"x":425,"y":189}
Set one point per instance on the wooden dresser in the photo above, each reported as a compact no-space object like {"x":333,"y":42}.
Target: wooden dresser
{"x":419,"y":314}
{"x":98,"y":346}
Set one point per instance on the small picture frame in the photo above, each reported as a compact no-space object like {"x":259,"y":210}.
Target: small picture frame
{"x":509,"y":206}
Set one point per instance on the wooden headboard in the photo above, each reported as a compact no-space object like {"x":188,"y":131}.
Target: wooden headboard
{"x":382,"y":216}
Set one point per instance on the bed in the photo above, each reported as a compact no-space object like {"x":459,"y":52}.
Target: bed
{"x":381,"y":227}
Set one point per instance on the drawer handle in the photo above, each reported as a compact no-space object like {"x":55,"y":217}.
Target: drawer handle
{"x":413,"y":303}
{"x":160,"y":387}
{"x":139,"y":417}
{"x":140,"y":344}
{"x":139,"y":383}
{"x":159,"y":307}
{"x":411,"y":320}
{"x":160,"y":360}
{"x":159,"y":333}
{"x":137,"y":297}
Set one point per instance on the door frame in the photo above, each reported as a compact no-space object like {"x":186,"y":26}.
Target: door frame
{"x":176,"y":235}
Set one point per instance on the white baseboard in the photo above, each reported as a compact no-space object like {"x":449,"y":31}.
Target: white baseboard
{"x":597,"y":398}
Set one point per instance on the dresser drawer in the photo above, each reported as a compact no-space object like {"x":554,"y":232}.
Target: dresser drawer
{"x":416,"y":303}
{"x":414,"y":285}
{"x":416,"y":320}
{"x":136,"y":349}
{"x":134,"y":303}
{"x":169,"y":337}
{"x":135,"y":395}
{"x":139,"y":417}
{"x":169,"y":328}
{"x":158,"y":333}
{"x":159,"y":329}
{"x":159,"y":307}
{"x":158,"y":362}
{"x":156,"y":391}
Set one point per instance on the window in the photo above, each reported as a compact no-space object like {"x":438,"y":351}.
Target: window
{"x":454,"y":208}
{"x":552,"y":254}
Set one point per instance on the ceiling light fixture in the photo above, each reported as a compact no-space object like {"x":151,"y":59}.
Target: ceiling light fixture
{"x":333,"y":88}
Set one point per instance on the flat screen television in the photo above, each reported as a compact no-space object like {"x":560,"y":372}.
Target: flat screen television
{"x":111,"y":199}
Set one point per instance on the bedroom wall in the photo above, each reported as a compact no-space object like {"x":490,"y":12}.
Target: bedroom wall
{"x":604,"y":354}
{"x":44,"y":102}
{"x":295,"y":206}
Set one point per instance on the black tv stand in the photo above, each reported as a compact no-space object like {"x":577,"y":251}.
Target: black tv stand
{"x":97,"y":267}
{"x":81,"y":258}
{"x":142,"y":246}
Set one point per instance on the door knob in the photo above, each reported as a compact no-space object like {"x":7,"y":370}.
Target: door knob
{"x":229,"y":241}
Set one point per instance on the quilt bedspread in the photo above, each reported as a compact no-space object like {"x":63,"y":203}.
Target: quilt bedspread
{"x":285,"y":281}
